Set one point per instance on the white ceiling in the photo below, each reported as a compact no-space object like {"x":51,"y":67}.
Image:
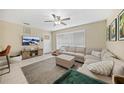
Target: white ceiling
{"x":36,"y":17}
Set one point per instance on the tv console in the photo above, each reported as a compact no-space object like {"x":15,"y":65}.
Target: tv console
{"x":31,"y":53}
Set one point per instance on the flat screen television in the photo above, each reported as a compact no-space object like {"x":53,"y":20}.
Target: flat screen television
{"x":30,"y":40}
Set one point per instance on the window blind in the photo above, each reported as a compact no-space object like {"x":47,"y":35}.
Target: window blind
{"x":72,"y":39}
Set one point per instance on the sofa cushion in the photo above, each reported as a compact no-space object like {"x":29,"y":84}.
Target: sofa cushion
{"x":79,"y":54}
{"x":71,"y":49}
{"x":89,"y":50}
{"x":74,"y":54}
{"x":118,"y":68}
{"x":96,"y":53}
{"x":108,"y":59}
{"x":90,"y":61}
{"x":107,"y":56}
{"x":80,"y":50}
{"x":103,"y":67}
{"x":92,"y":57}
{"x":69,"y":53}
{"x":85,"y":70}
{"x":103,"y":52}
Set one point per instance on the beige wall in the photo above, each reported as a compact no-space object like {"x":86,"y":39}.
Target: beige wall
{"x":116,"y":47}
{"x":11,"y":34}
{"x":94,"y":34}
{"x":1,"y":37}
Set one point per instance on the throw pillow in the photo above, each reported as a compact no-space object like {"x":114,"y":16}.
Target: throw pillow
{"x":103,"y":67}
{"x":103,"y":52}
{"x":96,"y":53}
{"x":107,"y":56}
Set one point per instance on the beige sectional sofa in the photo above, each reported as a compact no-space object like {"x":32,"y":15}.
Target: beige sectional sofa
{"x":117,"y":69}
{"x":78,"y":52}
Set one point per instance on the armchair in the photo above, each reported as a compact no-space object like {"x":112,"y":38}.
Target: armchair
{"x":5,"y":53}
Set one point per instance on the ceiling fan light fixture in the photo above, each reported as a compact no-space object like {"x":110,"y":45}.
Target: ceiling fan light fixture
{"x":57,"y":22}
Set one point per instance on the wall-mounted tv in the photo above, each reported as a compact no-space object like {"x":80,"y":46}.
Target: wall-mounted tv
{"x":30,"y":40}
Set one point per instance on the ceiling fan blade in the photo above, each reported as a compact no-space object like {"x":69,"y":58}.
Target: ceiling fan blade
{"x":63,"y":23}
{"x":58,"y":17}
{"x":49,"y":21}
{"x":65,"y":19}
{"x":54,"y":16}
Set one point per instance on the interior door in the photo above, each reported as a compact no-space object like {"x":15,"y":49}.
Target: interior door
{"x":47,"y":44}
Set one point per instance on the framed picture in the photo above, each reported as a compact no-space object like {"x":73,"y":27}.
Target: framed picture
{"x":107,"y":34}
{"x":121,"y":26}
{"x":113,"y":30}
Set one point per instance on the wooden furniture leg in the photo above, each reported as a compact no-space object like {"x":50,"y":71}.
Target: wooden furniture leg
{"x":5,"y":53}
{"x":8,"y":63}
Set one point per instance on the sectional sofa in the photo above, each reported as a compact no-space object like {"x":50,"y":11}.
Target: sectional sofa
{"x":78,"y":52}
{"x":102,"y":64}
{"x":94,"y":66}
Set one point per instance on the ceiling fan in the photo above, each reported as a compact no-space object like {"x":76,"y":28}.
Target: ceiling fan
{"x":57,"y":20}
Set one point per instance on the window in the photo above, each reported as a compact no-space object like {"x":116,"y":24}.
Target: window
{"x":72,"y":39}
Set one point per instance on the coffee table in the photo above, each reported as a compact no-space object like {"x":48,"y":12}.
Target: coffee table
{"x":65,"y":61}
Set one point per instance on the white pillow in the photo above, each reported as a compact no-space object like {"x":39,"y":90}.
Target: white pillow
{"x":102,"y":67}
{"x":96,"y":53}
{"x":103,"y":52}
{"x":107,"y":55}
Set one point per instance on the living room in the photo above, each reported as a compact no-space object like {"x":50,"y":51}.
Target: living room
{"x":46,"y":45}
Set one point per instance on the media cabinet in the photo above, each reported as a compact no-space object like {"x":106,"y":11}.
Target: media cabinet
{"x":31,"y":53}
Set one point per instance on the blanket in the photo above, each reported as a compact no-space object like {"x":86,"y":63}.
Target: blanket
{"x":75,"y":77}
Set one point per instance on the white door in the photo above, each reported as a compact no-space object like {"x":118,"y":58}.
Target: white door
{"x":47,"y":44}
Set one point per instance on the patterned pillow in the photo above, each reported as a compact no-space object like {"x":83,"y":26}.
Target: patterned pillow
{"x":103,"y":67}
{"x":96,"y":53}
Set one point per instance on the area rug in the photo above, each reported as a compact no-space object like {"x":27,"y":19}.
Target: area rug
{"x":43,"y":72}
